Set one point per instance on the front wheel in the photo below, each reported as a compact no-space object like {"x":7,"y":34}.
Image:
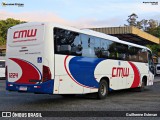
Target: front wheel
{"x":141,"y":88}
{"x":103,"y":90}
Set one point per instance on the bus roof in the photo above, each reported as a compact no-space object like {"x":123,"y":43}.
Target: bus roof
{"x":84,"y":31}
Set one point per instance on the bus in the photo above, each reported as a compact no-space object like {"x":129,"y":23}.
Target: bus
{"x":54,"y":59}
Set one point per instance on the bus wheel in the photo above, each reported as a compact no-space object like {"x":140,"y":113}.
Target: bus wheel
{"x":140,"y":89}
{"x":103,"y":90}
{"x":142,"y":86}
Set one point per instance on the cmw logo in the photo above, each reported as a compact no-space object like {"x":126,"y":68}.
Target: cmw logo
{"x":120,"y":72}
{"x":25,"y":33}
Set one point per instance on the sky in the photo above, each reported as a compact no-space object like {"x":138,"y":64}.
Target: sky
{"x":81,"y":13}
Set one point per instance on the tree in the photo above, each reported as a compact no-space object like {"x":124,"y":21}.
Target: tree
{"x":152,"y":23}
{"x":154,"y":31}
{"x":142,"y":24}
{"x":132,"y":19}
{"x":139,"y":24}
{"x":150,"y":26}
{"x":154,"y":47}
{"x":4,"y":26}
{"x":145,"y":24}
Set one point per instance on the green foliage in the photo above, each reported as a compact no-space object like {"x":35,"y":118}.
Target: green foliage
{"x":4,"y":25}
{"x":150,"y":26}
{"x":155,"y":48}
{"x":132,"y":19}
{"x":143,"y":24}
{"x":155,"y":31}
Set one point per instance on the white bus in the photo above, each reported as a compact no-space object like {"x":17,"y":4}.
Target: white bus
{"x":54,"y":59}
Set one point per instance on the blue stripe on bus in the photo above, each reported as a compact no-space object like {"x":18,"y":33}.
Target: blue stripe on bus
{"x":82,"y":69}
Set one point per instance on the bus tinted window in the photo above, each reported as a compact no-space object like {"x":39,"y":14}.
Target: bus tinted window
{"x":133,"y":53}
{"x":143,"y":56}
{"x":88,"y":44}
{"x":97,"y":47}
{"x":67,"y":42}
{"x":78,"y":44}
{"x":105,"y":48}
{"x":76,"y":47}
{"x":121,"y":51}
{"x":112,"y":50}
{"x":137,"y":54}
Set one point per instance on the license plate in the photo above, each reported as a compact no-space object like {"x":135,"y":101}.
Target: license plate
{"x":23,"y":88}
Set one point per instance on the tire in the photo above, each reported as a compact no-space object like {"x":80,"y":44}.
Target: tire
{"x":141,"y":89}
{"x":102,"y":90}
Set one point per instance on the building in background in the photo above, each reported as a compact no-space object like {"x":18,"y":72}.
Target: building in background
{"x":130,"y":34}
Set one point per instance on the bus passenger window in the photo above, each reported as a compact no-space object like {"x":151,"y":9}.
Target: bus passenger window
{"x":97,"y":47}
{"x":76,"y":46}
{"x":143,"y":56}
{"x":113,"y":51}
{"x":67,"y":42}
{"x":105,"y":53}
{"x":88,"y":46}
{"x":134,"y":53}
{"x":122,"y":50}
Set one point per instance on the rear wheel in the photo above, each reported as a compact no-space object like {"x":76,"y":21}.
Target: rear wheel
{"x":103,"y":90}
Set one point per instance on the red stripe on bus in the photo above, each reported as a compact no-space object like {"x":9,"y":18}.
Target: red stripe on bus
{"x":28,"y":72}
{"x":136,"y":80}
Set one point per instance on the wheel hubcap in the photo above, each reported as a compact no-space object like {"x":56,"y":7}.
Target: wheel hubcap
{"x":103,"y":90}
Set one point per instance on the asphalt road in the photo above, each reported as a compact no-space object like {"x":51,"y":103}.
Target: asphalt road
{"x":124,"y":100}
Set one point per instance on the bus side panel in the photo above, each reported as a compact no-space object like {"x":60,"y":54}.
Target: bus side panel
{"x":143,"y":69}
{"x":121,"y":74}
{"x":139,"y":71}
{"x":64,"y":79}
{"x":48,"y":54}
